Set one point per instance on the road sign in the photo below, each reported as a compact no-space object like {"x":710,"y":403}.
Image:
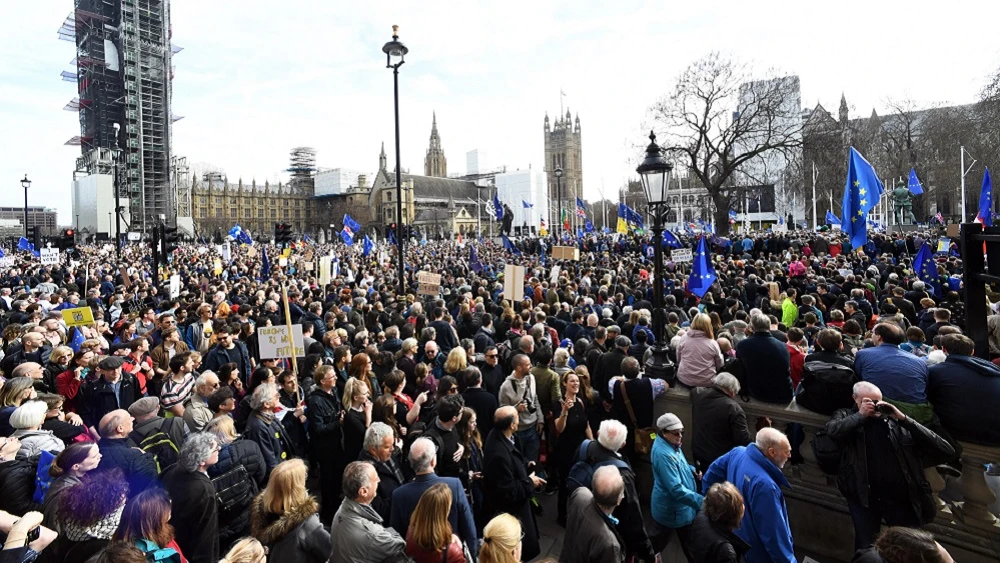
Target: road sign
{"x":273,"y":341}
{"x":79,"y":316}
{"x":681,"y":255}
{"x":49,"y":256}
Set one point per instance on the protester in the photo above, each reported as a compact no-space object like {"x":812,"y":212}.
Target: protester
{"x":503,"y":541}
{"x":357,"y":534}
{"x":712,"y":538}
{"x":675,"y":500}
{"x":195,"y":511}
{"x":595,"y":538}
{"x":285,"y":518}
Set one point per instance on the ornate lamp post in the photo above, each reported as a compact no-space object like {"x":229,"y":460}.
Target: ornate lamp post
{"x":26,"y":183}
{"x":395,"y":52}
{"x":655,"y":174}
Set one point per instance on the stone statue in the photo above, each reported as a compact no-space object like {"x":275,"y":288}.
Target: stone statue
{"x":507,"y":220}
{"x":902,"y":204}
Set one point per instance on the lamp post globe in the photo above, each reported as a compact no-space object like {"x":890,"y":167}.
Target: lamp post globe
{"x":654,"y":172}
{"x":26,"y":183}
{"x":395,"y":56}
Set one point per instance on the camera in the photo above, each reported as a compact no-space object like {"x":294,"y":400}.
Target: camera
{"x":529,"y":406}
{"x":885,"y":408}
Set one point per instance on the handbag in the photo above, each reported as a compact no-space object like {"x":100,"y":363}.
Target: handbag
{"x":233,"y":489}
{"x":644,"y":437}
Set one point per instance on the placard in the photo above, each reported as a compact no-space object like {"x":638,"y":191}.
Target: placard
{"x":282,"y":262}
{"x":80,"y":316}
{"x":324,"y":270}
{"x":7,"y":262}
{"x":565,"y":253}
{"x":513,"y":282}
{"x":175,"y":286}
{"x":307,"y":266}
{"x":126,"y":280}
{"x":428,"y":283}
{"x":134,"y":237}
{"x":273,"y":341}
{"x":681,"y":255}
{"x":49,"y":256}
{"x":428,"y":289}
{"x":217,"y":267}
{"x":227,"y":254}
{"x":554,"y":276}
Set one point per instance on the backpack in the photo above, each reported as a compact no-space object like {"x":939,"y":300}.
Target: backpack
{"x":581,"y":474}
{"x":827,"y":452}
{"x":233,"y":489}
{"x":156,"y":554}
{"x":504,"y":354}
{"x":164,"y":451}
{"x":825,"y":387}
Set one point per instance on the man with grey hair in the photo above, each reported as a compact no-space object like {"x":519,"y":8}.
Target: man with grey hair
{"x":423,"y":461}
{"x":265,"y":429}
{"x":595,"y":539}
{"x":377,"y":449}
{"x":719,"y":418}
{"x":357,"y":533}
{"x":756,"y":472}
{"x":196,"y":413}
{"x":611,"y":436}
{"x":767,"y":364}
{"x":194,"y":510}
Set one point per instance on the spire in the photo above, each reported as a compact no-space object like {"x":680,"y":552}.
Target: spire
{"x":382,"y":158}
{"x":435,"y":163}
{"x":843,"y":108}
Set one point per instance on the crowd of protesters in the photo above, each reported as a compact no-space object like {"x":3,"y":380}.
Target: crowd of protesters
{"x":426,"y":427}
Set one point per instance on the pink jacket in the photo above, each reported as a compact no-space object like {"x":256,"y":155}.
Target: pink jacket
{"x":699,"y":358}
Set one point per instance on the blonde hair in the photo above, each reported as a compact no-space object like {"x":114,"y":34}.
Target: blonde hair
{"x":354,"y":386}
{"x":703,"y":322}
{"x":456,"y":362}
{"x":501,"y":538}
{"x":60,"y":352}
{"x":286,"y":487}
{"x":247,"y":550}
{"x":223,"y":428}
{"x":429,"y":526}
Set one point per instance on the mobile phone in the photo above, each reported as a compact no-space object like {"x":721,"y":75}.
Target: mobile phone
{"x":885,"y":408}
{"x":33,"y":535}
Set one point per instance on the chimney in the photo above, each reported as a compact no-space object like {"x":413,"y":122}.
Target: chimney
{"x":362,"y":182}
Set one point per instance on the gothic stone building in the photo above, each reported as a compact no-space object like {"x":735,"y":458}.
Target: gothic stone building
{"x":217,"y":205}
{"x":564,"y":149}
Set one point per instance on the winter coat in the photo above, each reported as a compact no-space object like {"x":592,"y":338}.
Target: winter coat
{"x":767,"y":367}
{"x":765,"y":526}
{"x":194,"y":513}
{"x":698,"y":359}
{"x":97,"y":398}
{"x":360,"y":537}
{"x":596,"y":538}
{"x":50,"y":508}
{"x":235,"y":523}
{"x":629,"y":512}
{"x":915,"y":447}
{"x":675,"y":498}
{"x":218,"y":356}
{"x":296,"y":535}
{"x":270,"y":436}
{"x":968,"y":415}
{"x":711,"y":544}
{"x":388,"y":482}
{"x":721,"y":423}
{"x":452,"y":554}
{"x":34,"y":442}
{"x":17,"y":485}
{"x":508,"y":488}
{"x":139,"y":467}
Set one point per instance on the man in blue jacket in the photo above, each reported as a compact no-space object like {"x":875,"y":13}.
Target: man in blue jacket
{"x":965,"y":390}
{"x":423,"y":460}
{"x":756,"y":472}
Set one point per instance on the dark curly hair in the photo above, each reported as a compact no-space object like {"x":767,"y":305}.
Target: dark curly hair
{"x":98,"y":494}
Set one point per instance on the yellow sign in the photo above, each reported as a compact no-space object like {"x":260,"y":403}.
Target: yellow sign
{"x":218,"y":267}
{"x":78,"y":317}
{"x":286,"y":252}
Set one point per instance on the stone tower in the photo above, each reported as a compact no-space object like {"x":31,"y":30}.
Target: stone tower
{"x":435,"y":164}
{"x":564,"y":149}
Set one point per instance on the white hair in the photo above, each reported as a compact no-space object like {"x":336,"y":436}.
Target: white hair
{"x":203,"y":378}
{"x":612,"y":435}
{"x":727,"y":382}
{"x":29,"y":415}
{"x":375,"y":434}
{"x":197,"y":448}
{"x":422,"y":454}
{"x":769,"y":438}
{"x":865,"y":387}
{"x":262,"y":394}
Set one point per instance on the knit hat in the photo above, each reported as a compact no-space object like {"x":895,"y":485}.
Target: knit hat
{"x":669,"y":421}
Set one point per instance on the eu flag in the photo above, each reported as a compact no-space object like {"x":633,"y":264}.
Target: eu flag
{"x":347,"y":235}
{"x":367,"y":246}
{"x":235,"y":231}
{"x":588,"y":226}
{"x":527,"y":205}
{"x":77,"y":340}
{"x":351,"y":223}
{"x":498,"y":208}
{"x":670,"y":240}
{"x":862,"y":192}
{"x":832,"y":219}
{"x":509,"y":246}
{"x":702,"y":273}
{"x":474,"y":262}
{"x":581,"y":204}
{"x":925,"y":266}
{"x":913,"y":184}
{"x":985,"y":215}
{"x":23,"y":244}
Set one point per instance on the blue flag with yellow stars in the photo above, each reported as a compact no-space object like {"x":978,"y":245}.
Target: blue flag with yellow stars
{"x":985,"y":215}
{"x":862,"y":192}
{"x":832,"y":219}
{"x":926,"y":268}
{"x":702,"y":273}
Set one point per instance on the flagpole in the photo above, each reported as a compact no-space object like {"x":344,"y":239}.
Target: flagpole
{"x":815,"y":225}
{"x":962,"y":162}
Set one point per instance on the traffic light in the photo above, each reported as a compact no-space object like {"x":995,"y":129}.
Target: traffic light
{"x":282,"y":234}
{"x":68,"y":240}
{"x":170,"y":239}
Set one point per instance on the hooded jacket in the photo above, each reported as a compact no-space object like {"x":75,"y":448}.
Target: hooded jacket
{"x":675,"y":500}
{"x":965,"y":391}
{"x":296,"y":535}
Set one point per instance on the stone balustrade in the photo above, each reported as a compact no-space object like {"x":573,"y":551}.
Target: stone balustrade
{"x":818,"y":512}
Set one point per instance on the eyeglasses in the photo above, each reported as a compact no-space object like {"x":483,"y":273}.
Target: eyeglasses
{"x":491,"y":355}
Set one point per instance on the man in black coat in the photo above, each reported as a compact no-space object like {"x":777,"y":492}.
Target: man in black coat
{"x":194,"y":510}
{"x":508,"y":486}
{"x":492,"y":374}
{"x":478,"y":399}
{"x":325,"y":417}
{"x":610,"y":364}
{"x":441,"y":430}
{"x":112,"y":391}
{"x":719,"y":418}
{"x":118,"y":451}
{"x":378,"y":450}
{"x":882,"y":464}
{"x":766,"y":363}
{"x":445,"y":334}
{"x":485,"y":336}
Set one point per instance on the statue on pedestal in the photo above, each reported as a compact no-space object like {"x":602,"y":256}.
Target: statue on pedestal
{"x":902,"y":204}
{"x":507,"y":220}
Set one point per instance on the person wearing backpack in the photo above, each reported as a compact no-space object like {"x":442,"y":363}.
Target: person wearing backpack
{"x":675,"y":500}
{"x":158,"y":436}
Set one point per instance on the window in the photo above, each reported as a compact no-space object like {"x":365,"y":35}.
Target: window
{"x":274,"y":214}
{"x":284,"y":214}
{"x":204,"y":213}
{"x":260,"y":212}
{"x":232,"y":213}
{"x":297,"y":214}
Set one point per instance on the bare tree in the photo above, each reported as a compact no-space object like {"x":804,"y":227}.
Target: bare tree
{"x":719,"y":118}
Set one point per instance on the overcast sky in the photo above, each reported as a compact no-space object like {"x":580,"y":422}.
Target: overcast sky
{"x":259,"y":77}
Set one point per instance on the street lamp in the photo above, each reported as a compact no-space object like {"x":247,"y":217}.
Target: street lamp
{"x":655,"y":174}
{"x":395,"y":52}
{"x":559,"y":202}
{"x":26,"y":183}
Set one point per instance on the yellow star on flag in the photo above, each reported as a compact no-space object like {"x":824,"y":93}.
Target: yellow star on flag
{"x":861,"y":191}
{"x":860,"y":212}
{"x":857,"y":183}
{"x":863,"y":202}
{"x":854,"y":219}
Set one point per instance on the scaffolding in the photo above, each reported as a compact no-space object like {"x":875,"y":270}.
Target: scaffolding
{"x":124,"y":82}
{"x":303,"y":170}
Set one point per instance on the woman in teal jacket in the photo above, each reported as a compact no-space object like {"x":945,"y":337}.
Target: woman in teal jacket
{"x":676,"y":500}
